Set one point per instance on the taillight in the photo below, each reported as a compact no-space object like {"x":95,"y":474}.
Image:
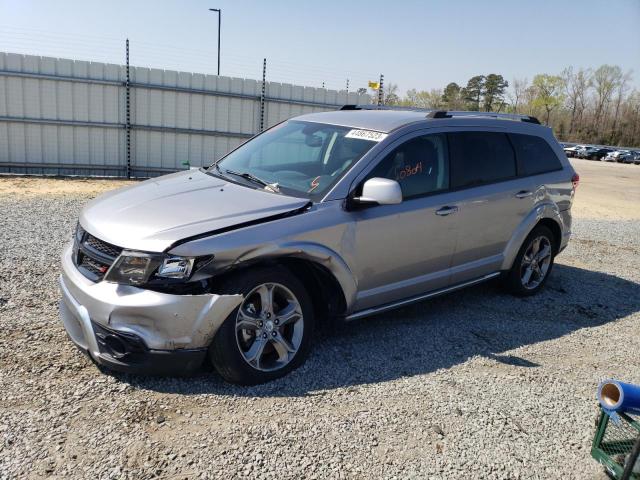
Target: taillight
{"x":575,"y":180}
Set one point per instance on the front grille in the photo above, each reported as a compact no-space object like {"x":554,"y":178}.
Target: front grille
{"x":102,"y":247}
{"x":96,"y":268}
{"x":93,"y":257}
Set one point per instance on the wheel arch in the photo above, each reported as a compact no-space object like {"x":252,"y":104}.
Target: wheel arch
{"x":545,"y":214}
{"x":327,"y":278}
{"x":323,"y":287}
{"x":555,"y":229}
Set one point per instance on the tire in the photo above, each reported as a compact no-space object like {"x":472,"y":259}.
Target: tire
{"x":266,"y":349}
{"x":515,"y":278}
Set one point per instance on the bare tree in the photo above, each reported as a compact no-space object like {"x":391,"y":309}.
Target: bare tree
{"x":519,"y":86}
{"x":576,"y":88}
{"x":391,"y":94}
{"x":606,"y":80}
{"x":633,"y":112}
{"x":620,"y":93}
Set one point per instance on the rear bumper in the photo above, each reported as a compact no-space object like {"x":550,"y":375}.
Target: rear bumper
{"x":136,"y":330}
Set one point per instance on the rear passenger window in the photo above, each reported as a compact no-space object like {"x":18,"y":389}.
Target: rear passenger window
{"x":534,"y":155}
{"x":478,"y":158}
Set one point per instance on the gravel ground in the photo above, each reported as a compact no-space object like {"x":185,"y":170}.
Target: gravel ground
{"x":477,"y":384}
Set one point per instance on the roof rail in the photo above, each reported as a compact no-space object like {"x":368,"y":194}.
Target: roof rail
{"x":502,"y":116}
{"x":445,"y":113}
{"x":385,"y":107}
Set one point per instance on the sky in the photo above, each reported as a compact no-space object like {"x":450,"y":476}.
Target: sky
{"x":415,"y":44}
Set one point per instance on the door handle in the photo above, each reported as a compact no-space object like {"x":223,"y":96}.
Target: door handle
{"x":444,"y":211}
{"x":524,"y":194}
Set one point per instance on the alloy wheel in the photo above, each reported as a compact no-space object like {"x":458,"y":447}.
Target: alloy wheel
{"x":535,"y":262}
{"x":269,"y":327}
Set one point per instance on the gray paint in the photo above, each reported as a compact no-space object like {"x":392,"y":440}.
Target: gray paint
{"x":381,"y":256}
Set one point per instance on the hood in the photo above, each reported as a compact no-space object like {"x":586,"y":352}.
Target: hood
{"x":153,"y":215}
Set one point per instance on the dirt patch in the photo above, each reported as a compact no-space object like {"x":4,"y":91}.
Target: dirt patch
{"x":38,"y":186}
{"x":607,"y":190}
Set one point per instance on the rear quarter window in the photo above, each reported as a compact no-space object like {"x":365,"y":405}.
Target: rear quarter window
{"x":534,"y":155}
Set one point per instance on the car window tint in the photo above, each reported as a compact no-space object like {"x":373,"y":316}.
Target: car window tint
{"x":534,"y":155}
{"x":478,"y":158}
{"x":419,"y":165}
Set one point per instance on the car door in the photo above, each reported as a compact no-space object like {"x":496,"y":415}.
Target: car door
{"x":405,"y":249}
{"x":493,"y":201}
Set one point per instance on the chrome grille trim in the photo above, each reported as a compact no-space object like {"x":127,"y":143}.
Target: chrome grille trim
{"x":93,"y":257}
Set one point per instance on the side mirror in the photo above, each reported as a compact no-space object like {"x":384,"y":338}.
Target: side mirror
{"x":380,"y":191}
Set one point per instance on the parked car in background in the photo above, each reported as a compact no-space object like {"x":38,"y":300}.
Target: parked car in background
{"x":632,"y":157}
{"x":572,"y":151}
{"x":586,"y":151}
{"x":620,"y":156}
{"x":340,"y":214}
{"x":595,"y":153}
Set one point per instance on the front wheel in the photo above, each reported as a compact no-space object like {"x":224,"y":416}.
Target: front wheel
{"x":270,"y":333}
{"x":533,"y":264}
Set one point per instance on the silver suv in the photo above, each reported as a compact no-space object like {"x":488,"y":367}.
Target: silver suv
{"x":339,"y":214}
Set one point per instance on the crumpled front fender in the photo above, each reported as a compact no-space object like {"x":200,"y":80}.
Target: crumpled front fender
{"x":313,"y":252}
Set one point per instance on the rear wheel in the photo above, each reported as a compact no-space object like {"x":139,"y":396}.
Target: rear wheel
{"x":533,"y":264}
{"x":270,"y":333}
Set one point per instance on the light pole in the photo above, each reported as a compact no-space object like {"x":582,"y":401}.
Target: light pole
{"x":219,"y":24}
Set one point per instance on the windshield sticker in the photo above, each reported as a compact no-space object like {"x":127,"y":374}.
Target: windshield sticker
{"x":366,"y":135}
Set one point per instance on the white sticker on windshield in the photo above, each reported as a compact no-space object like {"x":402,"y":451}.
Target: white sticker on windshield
{"x":366,"y":135}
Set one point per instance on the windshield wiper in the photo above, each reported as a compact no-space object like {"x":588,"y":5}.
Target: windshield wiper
{"x":218,"y":169}
{"x":249,"y":176}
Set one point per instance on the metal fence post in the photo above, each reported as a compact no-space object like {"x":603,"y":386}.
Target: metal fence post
{"x":127,"y":127}
{"x":262,"y":94}
{"x":380,"y":91}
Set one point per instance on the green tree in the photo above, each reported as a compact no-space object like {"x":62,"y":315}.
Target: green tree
{"x":452,"y":96}
{"x":474,"y":91}
{"x":493,"y":93}
{"x":431,"y":99}
{"x":548,"y":93}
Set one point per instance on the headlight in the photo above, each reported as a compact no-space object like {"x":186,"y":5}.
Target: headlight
{"x":133,"y":268}
{"x":139,"y":268}
{"x":176,"y":267}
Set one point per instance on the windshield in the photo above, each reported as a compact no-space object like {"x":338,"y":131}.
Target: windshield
{"x":297,"y":158}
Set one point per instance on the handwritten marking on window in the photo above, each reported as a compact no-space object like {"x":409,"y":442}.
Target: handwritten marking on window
{"x":314,"y":184}
{"x":408,"y":171}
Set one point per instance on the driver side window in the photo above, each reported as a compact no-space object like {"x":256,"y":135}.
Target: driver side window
{"x":420,"y":166}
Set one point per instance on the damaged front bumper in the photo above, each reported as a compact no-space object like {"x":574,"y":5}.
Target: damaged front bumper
{"x":132,"y":329}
